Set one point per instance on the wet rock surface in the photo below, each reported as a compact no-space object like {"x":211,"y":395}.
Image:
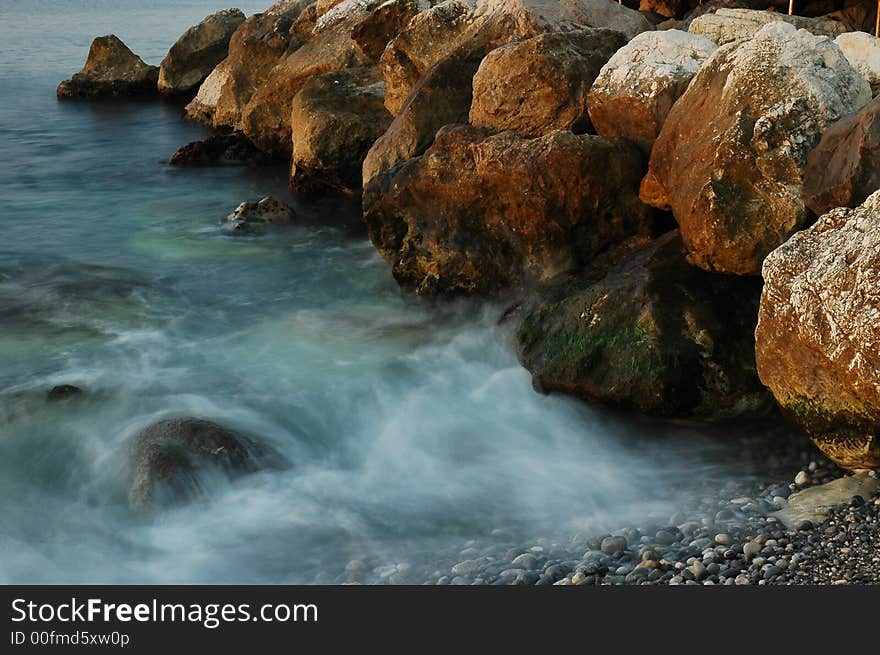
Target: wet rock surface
{"x":255,"y":217}
{"x":222,"y":149}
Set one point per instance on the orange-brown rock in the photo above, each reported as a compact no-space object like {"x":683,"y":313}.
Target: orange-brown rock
{"x":374,"y":33}
{"x":844,"y":169}
{"x":818,"y":336}
{"x":111,"y":69}
{"x":427,"y":38}
{"x":195,"y":54}
{"x":266,"y":117}
{"x":480,"y":213}
{"x":635,"y":91}
{"x":729,"y":160}
{"x":665,"y":8}
{"x":254,"y":50}
{"x":336,"y":117}
{"x":540,"y":84}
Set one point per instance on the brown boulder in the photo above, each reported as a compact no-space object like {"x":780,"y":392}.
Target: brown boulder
{"x":729,"y":160}
{"x":654,"y":334}
{"x":111,"y":69}
{"x":427,"y":38}
{"x":818,"y":336}
{"x":336,"y":117}
{"x":254,"y":50}
{"x":266,"y":117}
{"x":665,"y":8}
{"x":195,"y":54}
{"x":477,"y":214}
{"x":844,"y":169}
{"x":374,"y":33}
{"x":540,"y":84}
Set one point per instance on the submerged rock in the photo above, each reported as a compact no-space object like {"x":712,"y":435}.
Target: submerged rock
{"x":818,"y":335}
{"x":168,"y":456}
{"x":336,"y":117}
{"x":195,"y":54}
{"x":223,"y":149}
{"x":253,"y":217}
{"x":636,"y":88}
{"x":730,"y":25}
{"x":111,"y":69}
{"x":477,"y":213}
{"x":63,"y":392}
{"x":729,"y":160}
{"x":654,"y":334}
{"x":844,"y":169}
{"x":540,"y":84}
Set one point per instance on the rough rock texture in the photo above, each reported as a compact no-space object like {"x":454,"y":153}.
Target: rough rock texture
{"x":166,"y":457}
{"x":198,"y":51}
{"x":818,"y":336}
{"x":813,"y":504}
{"x":444,"y":94}
{"x":266,"y":117}
{"x":665,"y":8}
{"x":336,"y":117}
{"x":202,"y":107}
{"x":222,"y":149}
{"x":729,"y":25}
{"x":654,"y":335}
{"x":635,"y":90}
{"x":844,"y":169}
{"x":566,"y":15}
{"x":863,"y":52}
{"x":729,"y":160}
{"x":427,"y":39}
{"x":254,"y":50}
{"x":541,"y":84}
{"x":477,"y":214}
{"x":111,"y":69}
{"x":374,"y":33}
{"x":255,"y":216}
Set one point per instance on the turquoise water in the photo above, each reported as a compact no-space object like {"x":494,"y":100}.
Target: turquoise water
{"x":411,"y":429}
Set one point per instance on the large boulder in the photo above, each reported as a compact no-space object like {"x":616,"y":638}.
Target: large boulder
{"x":731,"y":25}
{"x":540,"y":84}
{"x":336,"y":117}
{"x":636,"y":88}
{"x":195,"y":54}
{"x":863,"y":52}
{"x":111,"y":69}
{"x":654,"y":334}
{"x":202,"y":107}
{"x":373,"y":34}
{"x":729,"y":160}
{"x":477,"y":214}
{"x":427,"y":38}
{"x":266,"y":117}
{"x":168,"y":458}
{"x":818,"y":336}
{"x":844,"y":169}
{"x":254,"y":50}
{"x":445,"y":93}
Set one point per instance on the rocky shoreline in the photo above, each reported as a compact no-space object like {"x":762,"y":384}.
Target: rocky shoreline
{"x":680,"y":199}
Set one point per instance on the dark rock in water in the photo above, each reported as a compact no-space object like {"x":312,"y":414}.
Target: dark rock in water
{"x":844,"y":169}
{"x":196,"y":53}
{"x":655,"y":335}
{"x":224,"y":149}
{"x":167,"y":457}
{"x":253,"y":217}
{"x":111,"y":69}
{"x":63,"y":392}
{"x":481,"y":213}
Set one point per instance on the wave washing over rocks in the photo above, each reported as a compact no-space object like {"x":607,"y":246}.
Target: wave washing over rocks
{"x":677,"y":201}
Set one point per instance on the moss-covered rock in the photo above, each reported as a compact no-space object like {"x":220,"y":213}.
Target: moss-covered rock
{"x":653,"y":334}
